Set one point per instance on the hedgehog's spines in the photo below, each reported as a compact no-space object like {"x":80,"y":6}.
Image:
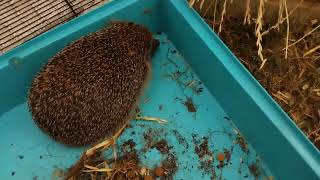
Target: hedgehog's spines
{"x":89,"y":88}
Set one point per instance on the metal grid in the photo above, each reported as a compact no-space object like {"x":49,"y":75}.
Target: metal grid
{"x":21,"y":20}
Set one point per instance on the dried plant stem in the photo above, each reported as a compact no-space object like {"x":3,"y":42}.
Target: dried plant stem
{"x":280,"y":18}
{"x":280,"y":14}
{"x":288,"y":27}
{"x":191,"y":2}
{"x":105,"y":143}
{"x":146,"y":118}
{"x":309,"y":33}
{"x":214,"y":13}
{"x":99,"y":170}
{"x":312,"y":50}
{"x":201,"y":4}
{"x":314,"y":132}
{"x":211,"y":3}
{"x":223,"y":13}
{"x":247,"y":15}
{"x":258,"y":30}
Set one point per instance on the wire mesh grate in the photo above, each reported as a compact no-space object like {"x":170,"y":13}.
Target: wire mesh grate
{"x":22,"y":20}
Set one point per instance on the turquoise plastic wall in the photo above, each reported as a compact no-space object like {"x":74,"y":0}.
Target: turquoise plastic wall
{"x":278,"y":141}
{"x":284,"y":148}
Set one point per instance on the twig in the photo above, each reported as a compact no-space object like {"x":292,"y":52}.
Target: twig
{"x":191,"y":2}
{"x":107,"y":166}
{"x":190,"y":84}
{"x":91,"y":167}
{"x":313,"y":132}
{"x":311,"y":50}
{"x":115,"y":152}
{"x":214,"y":13}
{"x":258,"y":34}
{"x":211,"y":3}
{"x":222,"y":16}
{"x":280,"y":14}
{"x":105,"y":143}
{"x":288,"y":28}
{"x":280,"y":19}
{"x":99,"y":170}
{"x":309,"y":33}
{"x":247,"y":16}
{"x":146,"y":118}
{"x":201,"y":4}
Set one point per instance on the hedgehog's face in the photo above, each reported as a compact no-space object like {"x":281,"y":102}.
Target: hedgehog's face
{"x":143,"y":36}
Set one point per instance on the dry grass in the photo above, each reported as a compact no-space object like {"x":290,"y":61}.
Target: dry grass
{"x":222,"y":15}
{"x":258,"y":32}
{"x":247,"y":15}
{"x":304,"y":36}
{"x":291,"y":74}
{"x":121,"y":168}
{"x":288,"y":26}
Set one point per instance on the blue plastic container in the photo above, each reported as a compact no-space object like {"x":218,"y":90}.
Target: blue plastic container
{"x":191,"y":65}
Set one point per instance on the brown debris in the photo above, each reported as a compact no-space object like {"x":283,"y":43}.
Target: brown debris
{"x":182,"y":140}
{"x":148,"y":177}
{"x":291,"y":73}
{"x":292,"y":82}
{"x":128,"y":146}
{"x":227,"y":155}
{"x":170,"y":165}
{"x":254,"y":170}
{"x":203,"y":149}
{"x":159,"y":171}
{"x":162,"y":146}
{"x":205,"y":155}
{"x":242,"y":143}
{"x":190,"y":105}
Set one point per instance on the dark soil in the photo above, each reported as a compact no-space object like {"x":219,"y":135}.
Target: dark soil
{"x":162,"y":146}
{"x":254,"y":170}
{"x":205,"y":155}
{"x":170,"y":166}
{"x":292,"y":82}
{"x":128,"y":146}
{"x":203,"y":148}
{"x":242,"y":143}
{"x":227,"y":155}
{"x":151,"y":137}
{"x":182,"y":140}
{"x":190,"y":105}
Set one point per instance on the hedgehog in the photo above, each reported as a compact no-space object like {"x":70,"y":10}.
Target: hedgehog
{"x":89,"y":89}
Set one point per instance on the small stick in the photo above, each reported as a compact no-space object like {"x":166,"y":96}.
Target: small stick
{"x":146,"y":118}
{"x":247,"y":16}
{"x":107,"y":166}
{"x":309,"y":33}
{"x":106,"y":143}
{"x":280,"y":19}
{"x":91,"y":167}
{"x":214,"y":13}
{"x":99,"y":170}
{"x":201,"y":4}
{"x":288,"y":29}
{"x":190,"y":84}
{"x":222,"y":16}
{"x":311,"y":50}
{"x":211,"y":3}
